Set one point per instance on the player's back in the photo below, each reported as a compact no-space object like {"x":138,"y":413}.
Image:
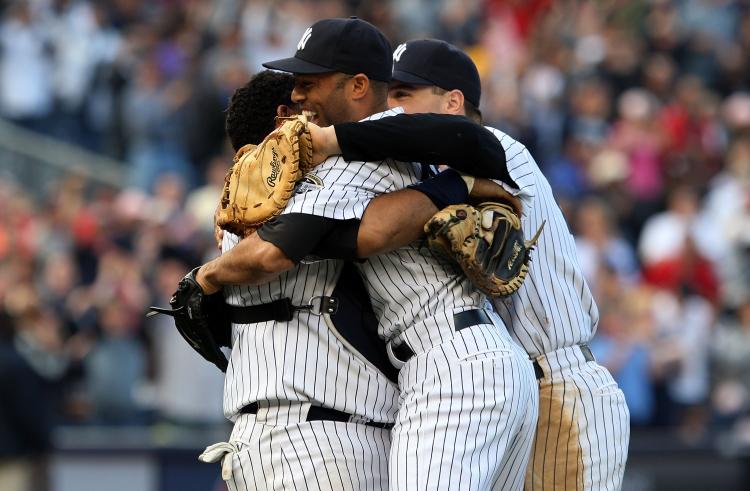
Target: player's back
{"x":554,"y":307}
{"x":303,"y":359}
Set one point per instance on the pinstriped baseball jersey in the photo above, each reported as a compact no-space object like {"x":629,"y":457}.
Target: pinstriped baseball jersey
{"x":583,"y":428}
{"x":478,"y":370}
{"x":342,"y":190}
{"x":407,"y":286}
{"x":554,"y":307}
{"x":301,"y":360}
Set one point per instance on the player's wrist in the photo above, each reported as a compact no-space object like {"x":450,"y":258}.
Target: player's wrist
{"x":204,"y":280}
{"x":445,"y":189}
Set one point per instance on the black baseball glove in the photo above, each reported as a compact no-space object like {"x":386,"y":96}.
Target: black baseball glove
{"x":200,"y":319}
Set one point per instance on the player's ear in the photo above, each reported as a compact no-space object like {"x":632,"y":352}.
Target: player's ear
{"x":454,"y":102}
{"x":360,"y":86}
{"x":284,"y":111}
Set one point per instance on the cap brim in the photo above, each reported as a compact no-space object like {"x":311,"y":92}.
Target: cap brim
{"x":296,"y":65}
{"x":408,"y":78}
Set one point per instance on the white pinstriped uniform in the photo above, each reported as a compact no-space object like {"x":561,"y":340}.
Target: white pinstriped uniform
{"x":286,"y":367}
{"x":583,"y":429}
{"x":468,"y":403}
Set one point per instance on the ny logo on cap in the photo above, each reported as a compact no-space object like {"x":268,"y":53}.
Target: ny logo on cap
{"x":304,"y":39}
{"x":399,"y":51}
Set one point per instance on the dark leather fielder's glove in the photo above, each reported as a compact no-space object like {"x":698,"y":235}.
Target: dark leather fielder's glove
{"x":200,"y":319}
{"x":487,"y":242}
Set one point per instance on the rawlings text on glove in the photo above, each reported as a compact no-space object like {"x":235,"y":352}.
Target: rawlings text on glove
{"x":262,"y":179}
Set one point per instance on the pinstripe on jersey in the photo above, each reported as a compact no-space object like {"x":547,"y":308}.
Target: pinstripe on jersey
{"x":583,"y":429}
{"x":301,"y":360}
{"x":407,"y":286}
{"x":415,"y":296}
{"x":468,"y":415}
{"x":317,"y":455}
{"x":554,"y":307}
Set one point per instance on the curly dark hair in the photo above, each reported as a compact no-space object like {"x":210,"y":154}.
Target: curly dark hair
{"x":251,"y":112}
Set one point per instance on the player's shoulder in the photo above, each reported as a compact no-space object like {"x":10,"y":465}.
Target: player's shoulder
{"x":505,"y":139}
{"x":516,"y":153}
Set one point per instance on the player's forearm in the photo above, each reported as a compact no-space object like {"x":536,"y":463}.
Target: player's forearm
{"x":397,"y":219}
{"x":393,"y":220}
{"x":428,"y":138}
{"x":252,"y":261}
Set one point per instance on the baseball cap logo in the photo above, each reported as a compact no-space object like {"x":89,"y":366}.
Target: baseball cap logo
{"x":304,"y":39}
{"x":399,"y":51}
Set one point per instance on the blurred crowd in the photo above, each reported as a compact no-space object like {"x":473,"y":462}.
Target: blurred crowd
{"x":637,"y":111}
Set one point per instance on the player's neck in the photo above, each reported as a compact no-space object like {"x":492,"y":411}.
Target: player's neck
{"x":375,"y":109}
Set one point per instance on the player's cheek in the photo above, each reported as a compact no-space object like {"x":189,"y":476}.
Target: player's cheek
{"x":410,"y":105}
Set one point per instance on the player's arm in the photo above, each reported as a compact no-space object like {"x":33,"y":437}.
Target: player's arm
{"x":276,"y":247}
{"x":432,"y":139}
{"x":396,"y":219}
{"x":252,"y":261}
{"x":390,"y":221}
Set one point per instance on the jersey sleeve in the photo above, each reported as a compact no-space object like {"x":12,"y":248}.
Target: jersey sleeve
{"x":521,"y":167}
{"x":432,"y":139}
{"x":337,"y":189}
{"x":342,"y":190}
{"x":299,"y":235}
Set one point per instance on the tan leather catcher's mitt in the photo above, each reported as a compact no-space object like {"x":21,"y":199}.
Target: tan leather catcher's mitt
{"x":262,"y":179}
{"x":487,"y":242}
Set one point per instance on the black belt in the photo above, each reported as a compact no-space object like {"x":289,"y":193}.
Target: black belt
{"x":319,"y":413}
{"x":280,"y":310}
{"x":585,"y":351}
{"x":462,"y":320}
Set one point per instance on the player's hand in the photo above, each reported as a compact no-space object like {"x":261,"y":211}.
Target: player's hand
{"x":199,"y":318}
{"x":487,"y":190}
{"x":324,"y":142}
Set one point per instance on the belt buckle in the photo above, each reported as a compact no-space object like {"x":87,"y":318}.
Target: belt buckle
{"x":325,"y":305}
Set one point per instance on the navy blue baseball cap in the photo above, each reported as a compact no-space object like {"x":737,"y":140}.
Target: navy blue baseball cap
{"x":340,"y":45}
{"x":435,"y":62}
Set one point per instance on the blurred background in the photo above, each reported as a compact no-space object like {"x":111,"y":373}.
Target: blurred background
{"x":112,"y":154}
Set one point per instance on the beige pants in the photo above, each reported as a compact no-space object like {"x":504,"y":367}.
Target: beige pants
{"x":16,"y":475}
{"x":583,"y":429}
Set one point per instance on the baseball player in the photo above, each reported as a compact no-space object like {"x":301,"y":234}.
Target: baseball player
{"x":583,"y":428}
{"x":311,"y":403}
{"x":467,"y":403}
